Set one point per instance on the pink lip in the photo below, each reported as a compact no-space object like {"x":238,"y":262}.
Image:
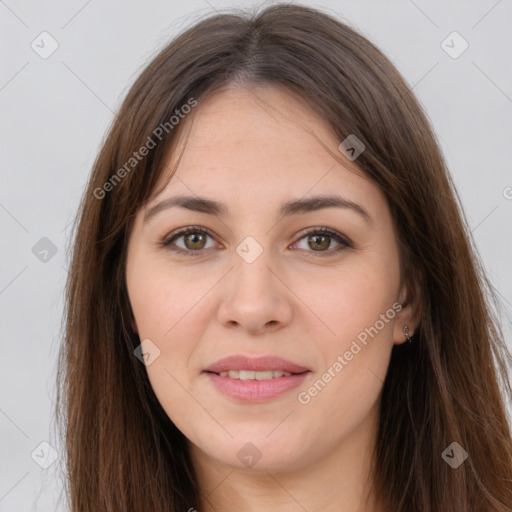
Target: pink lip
{"x":259,"y":364}
{"x":255,"y":390}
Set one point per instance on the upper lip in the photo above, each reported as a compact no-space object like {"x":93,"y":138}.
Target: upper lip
{"x":261,"y":363}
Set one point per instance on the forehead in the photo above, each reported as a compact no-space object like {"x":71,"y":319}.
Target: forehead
{"x":259,"y":143}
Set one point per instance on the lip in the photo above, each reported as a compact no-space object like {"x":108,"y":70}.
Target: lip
{"x":256,"y":390}
{"x":258,"y":364}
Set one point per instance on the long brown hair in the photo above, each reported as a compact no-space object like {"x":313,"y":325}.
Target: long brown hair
{"x":123,"y":452}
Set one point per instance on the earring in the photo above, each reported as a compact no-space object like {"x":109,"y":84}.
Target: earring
{"x":406,"y":332}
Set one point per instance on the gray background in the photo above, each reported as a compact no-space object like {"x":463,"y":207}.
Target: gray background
{"x":54,"y":115}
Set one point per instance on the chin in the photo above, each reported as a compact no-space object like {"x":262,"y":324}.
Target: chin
{"x":260,"y":452}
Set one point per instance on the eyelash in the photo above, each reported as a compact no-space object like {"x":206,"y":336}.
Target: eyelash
{"x":200,"y":252}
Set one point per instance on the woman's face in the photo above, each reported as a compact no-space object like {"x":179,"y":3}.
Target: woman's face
{"x":262,"y":286}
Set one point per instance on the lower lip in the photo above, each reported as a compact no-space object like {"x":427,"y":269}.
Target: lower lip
{"x":256,"y":390}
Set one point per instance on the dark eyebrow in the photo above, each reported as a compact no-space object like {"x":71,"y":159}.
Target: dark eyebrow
{"x":296,"y":206}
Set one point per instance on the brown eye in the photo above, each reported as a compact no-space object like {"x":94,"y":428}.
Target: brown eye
{"x":194,"y":240}
{"x":319,"y":240}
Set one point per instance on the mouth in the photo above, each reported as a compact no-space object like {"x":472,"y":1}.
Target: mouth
{"x":250,"y":379}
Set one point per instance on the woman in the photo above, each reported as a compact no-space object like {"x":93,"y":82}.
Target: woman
{"x":273,"y":302}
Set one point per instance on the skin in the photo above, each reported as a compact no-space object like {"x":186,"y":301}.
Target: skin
{"x":252,"y":149}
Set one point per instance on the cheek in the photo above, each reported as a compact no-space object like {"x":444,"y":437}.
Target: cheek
{"x":161,"y":298}
{"x":358,"y":310}
{"x":354,"y":364}
{"x":356,"y":297}
{"x":168,"y":312}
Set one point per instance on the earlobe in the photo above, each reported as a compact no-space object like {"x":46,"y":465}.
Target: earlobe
{"x":408,"y":318}
{"x":404,"y":326}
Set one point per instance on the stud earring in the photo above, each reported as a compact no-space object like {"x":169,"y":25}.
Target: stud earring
{"x":406,"y":332}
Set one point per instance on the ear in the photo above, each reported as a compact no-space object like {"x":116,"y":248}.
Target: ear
{"x":410,"y":314}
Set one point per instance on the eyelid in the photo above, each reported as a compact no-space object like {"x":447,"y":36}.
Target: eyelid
{"x":182,"y":232}
{"x":324,"y":231}
{"x":344,"y":241}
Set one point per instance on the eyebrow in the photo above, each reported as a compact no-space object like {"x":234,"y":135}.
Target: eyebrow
{"x":293,"y":207}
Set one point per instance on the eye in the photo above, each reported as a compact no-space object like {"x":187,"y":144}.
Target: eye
{"x":320,"y":239}
{"x":194,"y":240}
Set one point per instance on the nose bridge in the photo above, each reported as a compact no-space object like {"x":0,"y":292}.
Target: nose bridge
{"x":252,"y":263}
{"x":253,"y":296}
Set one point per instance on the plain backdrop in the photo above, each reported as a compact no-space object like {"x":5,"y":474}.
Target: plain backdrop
{"x":54,"y":114}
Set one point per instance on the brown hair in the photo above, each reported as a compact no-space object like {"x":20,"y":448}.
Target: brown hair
{"x":123,"y":452}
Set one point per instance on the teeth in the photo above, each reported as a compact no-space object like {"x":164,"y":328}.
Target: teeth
{"x":264,"y":375}
{"x":252,"y":375}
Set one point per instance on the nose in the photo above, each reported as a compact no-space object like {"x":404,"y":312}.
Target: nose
{"x":255,"y":297}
